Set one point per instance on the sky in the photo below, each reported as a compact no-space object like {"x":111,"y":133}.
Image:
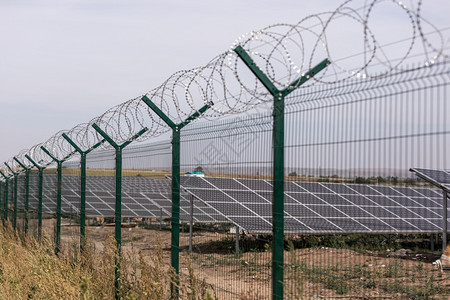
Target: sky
{"x":65,"y":62}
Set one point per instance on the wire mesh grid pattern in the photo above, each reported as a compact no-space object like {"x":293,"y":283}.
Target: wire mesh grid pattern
{"x":298,"y":155}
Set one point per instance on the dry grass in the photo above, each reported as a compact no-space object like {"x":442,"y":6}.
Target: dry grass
{"x":31,"y":270}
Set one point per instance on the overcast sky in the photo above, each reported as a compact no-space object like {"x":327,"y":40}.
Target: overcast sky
{"x":65,"y":62}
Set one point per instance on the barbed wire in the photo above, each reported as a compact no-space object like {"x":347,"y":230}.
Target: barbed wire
{"x":284,"y":52}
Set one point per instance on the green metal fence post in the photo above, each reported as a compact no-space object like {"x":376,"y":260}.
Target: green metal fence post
{"x":118,"y":219}
{"x":15,"y":174}
{"x":58,"y":199}
{"x":15,"y":202}
{"x":40,"y":192}
{"x":118,"y":208}
{"x":59,"y":163}
{"x":175,"y":221}
{"x":41,"y":180}
{"x":175,"y":256}
{"x":5,"y":214}
{"x":27,"y":193}
{"x":1,"y":198}
{"x":82,"y":201}
{"x":278,"y":196}
{"x":278,"y":163}
{"x":83,"y":155}
{"x":27,"y":200}
{"x":6,"y":200}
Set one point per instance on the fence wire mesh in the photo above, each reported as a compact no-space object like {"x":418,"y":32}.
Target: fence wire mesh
{"x":195,"y":210}
{"x":352,"y":205}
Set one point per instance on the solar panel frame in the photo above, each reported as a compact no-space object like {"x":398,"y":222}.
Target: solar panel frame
{"x":439,"y":178}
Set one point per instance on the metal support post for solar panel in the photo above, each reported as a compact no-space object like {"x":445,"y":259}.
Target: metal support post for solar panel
{"x":118,"y":206}
{"x":160,"y":219}
{"x":15,"y":174}
{"x":278,"y":162}
{"x":59,"y":163}
{"x":27,"y":194}
{"x":237,"y":242}
{"x":5,"y":214}
{"x":41,"y":180}
{"x":431,"y":242}
{"x":444,"y":221}
{"x":175,"y":220}
{"x":191,"y":222}
{"x":83,"y":155}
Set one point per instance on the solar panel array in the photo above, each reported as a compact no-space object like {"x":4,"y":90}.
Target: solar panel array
{"x":310,"y":207}
{"x":313,"y":207}
{"x":439,"y":178}
{"x":141,"y":197}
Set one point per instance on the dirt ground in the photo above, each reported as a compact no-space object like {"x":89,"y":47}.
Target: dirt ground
{"x":312,"y":273}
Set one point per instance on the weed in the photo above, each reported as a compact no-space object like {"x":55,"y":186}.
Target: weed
{"x":250,"y":294}
{"x":30,"y":270}
{"x":419,"y":267}
{"x":294,"y":290}
{"x":338,"y":284}
{"x":371,"y":284}
{"x":394,"y":270}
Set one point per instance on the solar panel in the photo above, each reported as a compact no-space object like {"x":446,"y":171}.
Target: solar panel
{"x":141,"y":197}
{"x":314,"y":207}
{"x":310,"y":207}
{"x":439,"y":178}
